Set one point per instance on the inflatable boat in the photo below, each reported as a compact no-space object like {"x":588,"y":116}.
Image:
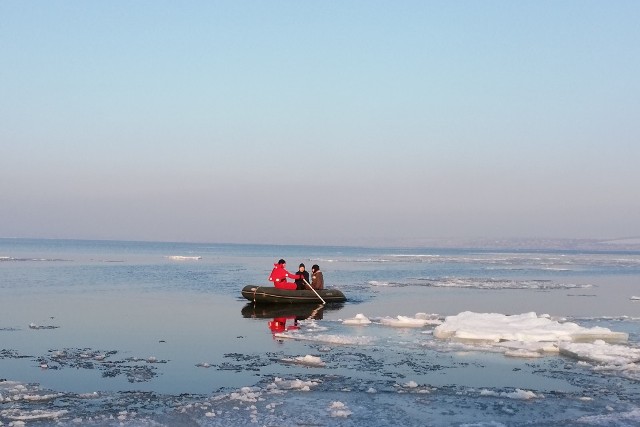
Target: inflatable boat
{"x":269,"y":294}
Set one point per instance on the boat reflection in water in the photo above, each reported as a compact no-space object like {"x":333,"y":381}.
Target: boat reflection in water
{"x":286,"y":317}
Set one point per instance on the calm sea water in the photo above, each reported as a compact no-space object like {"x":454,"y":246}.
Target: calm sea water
{"x":111,"y":333}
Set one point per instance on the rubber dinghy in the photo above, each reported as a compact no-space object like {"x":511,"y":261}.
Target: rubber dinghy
{"x":269,"y":294}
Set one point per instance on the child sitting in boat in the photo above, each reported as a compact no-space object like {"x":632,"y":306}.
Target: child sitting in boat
{"x":279,"y":276}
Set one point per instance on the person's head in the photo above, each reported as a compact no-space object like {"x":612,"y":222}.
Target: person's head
{"x":283,"y":262}
{"x":301,"y":267}
{"x":315,"y":268}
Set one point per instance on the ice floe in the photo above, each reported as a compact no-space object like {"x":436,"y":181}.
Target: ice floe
{"x":528,"y":327}
{"x":516,"y":394}
{"x":34,"y":326}
{"x":530,"y":336}
{"x":339,"y":409}
{"x":480,"y":283}
{"x":418,"y":321}
{"x":34,"y":415}
{"x":404,"y":322}
{"x":184,"y":258}
{"x":360,"y":319}
{"x":327,"y":338}
{"x":413,"y":387}
{"x":601,"y":352}
{"x":295,"y":384}
{"x":495,"y":284}
{"x":627,"y":418}
{"x":308,"y":360}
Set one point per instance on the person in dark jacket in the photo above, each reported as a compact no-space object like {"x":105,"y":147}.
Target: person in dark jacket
{"x":317,"y":280}
{"x":304,"y":275}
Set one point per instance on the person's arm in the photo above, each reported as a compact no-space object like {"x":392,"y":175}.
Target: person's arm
{"x":292,"y":276}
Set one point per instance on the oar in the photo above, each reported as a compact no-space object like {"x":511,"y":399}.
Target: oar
{"x":314,"y":291}
{"x":315,"y":312}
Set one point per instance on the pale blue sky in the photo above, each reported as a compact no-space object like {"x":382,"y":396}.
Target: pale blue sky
{"x":319,"y":121}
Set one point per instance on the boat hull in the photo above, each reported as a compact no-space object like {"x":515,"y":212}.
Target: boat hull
{"x":291,"y":311}
{"x":269,"y":294}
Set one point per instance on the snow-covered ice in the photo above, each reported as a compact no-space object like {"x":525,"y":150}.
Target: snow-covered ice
{"x":359,"y":319}
{"x":601,"y":352}
{"x":528,"y":327}
{"x":183,"y":258}
{"x":404,"y":322}
{"x":308,"y":360}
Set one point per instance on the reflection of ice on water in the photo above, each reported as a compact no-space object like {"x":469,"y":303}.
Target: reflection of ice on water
{"x":377,"y":371}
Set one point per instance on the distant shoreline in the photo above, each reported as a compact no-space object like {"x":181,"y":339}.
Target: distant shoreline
{"x":520,"y":244}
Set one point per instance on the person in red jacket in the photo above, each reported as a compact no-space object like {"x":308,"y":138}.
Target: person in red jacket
{"x":279,"y":276}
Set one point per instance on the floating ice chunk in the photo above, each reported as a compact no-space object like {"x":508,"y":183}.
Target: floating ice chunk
{"x":528,"y":327}
{"x":497,"y":284}
{"x":328,"y":339}
{"x":34,"y":326}
{"x":19,"y":416}
{"x":246,"y":394}
{"x":41,"y":397}
{"x":634,"y":298}
{"x":527,"y":349}
{"x":360,"y":319}
{"x":521,"y":352}
{"x":412,"y":387}
{"x":312,"y":325}
{"x":376,"y":283}
{"x":203,"y":365}
{"x":520,"y":394}
{"x":307,"y":360}
{"x":517,"y":394}
{"x":619,"y":418}
{"x":93,"y":395}
{"x":403,"y":322}
{"x":339,"y":409}
{"x":601,"y":352}
{"x":183,"y":258}
{"x":431,"y":319}
{"x":296,"y":384}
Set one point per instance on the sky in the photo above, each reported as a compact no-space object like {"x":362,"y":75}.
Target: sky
{"x":319,"y":122}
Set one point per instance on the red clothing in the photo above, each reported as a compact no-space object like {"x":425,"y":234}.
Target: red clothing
{"x":279,"y":324}
{"x":279,"y":277}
